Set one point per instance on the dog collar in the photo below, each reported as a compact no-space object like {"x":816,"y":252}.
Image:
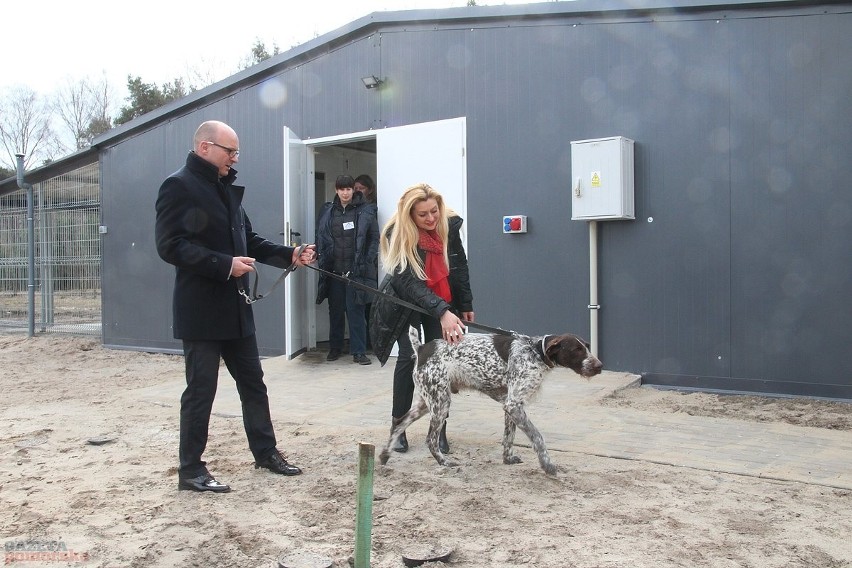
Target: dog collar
{"x":544,"y":356}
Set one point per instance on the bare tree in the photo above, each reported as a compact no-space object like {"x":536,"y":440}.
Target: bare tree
{"x":103,"y":104}
{"x":206,"y":71}
{"x":83,"y":107}
{"x":25,"y":127}
{"x":73,"y":103}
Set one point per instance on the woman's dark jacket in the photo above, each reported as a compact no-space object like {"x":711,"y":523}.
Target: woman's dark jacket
{"x":365,"y":266}
{"x":200,"y":228}
{"x":388,"y":320}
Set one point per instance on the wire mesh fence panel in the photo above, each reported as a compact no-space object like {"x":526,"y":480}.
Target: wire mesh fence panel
{"x":67,"y":285}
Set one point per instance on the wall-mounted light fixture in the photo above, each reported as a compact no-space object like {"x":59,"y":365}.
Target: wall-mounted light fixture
{"x":372,"y":82}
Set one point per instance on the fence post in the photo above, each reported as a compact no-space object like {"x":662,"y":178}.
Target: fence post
{"x":364,"y":509}
{"x":30,"y":247}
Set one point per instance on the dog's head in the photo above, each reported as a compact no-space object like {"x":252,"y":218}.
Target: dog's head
{"x":570,"y":351}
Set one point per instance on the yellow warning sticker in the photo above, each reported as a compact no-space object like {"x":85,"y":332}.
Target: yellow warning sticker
{"x":596,"y":179}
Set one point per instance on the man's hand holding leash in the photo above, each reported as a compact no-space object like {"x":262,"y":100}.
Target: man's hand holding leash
{"x":241,"y":265}
{"x":304,"y":255}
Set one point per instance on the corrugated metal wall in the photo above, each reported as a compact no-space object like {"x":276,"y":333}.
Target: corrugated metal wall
{"x":735,"y":273}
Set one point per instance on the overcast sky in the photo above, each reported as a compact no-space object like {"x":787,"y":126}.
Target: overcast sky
{"x":46,"y":42}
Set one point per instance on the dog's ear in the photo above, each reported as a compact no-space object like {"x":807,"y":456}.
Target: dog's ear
{"x":551,"y":344}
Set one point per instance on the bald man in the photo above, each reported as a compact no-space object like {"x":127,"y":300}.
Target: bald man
{"x":204,"y":232}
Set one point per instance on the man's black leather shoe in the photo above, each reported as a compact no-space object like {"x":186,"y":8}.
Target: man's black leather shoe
{"x":333,"y":355}
{"x":202,"y":483}
{"x":276,"y":463}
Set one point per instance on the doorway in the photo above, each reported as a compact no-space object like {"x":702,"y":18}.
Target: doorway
{"x":396,"y":158}
{"x":346,"y":158}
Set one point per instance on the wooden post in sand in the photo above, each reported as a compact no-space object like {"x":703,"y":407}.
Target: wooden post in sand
{"x":364,"y":510}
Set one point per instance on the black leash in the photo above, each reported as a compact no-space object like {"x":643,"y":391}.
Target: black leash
{"x":253,"y":297}
{"x":409,"y":305}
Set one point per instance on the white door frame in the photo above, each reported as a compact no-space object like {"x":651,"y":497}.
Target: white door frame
{"x":431,"y":152}
{"x":299,"y":323}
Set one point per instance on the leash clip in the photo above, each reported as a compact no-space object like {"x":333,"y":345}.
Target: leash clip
{"x":248,"y":299}
{"x":254,"y":297}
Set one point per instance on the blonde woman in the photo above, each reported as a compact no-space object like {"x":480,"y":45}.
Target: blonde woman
{"x":425,"y":260}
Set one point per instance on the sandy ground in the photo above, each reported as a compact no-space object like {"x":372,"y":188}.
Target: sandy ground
{"x":116,"y":504}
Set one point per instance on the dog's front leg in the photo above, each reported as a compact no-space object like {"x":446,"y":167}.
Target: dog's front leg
{"x":509,"y":456}
{"x":517,"y":413}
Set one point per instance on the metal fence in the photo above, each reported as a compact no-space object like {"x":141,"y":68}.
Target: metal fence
{"x":66,"y":217}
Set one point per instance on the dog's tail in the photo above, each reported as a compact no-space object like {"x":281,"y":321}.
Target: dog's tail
{"x":414,"y":337}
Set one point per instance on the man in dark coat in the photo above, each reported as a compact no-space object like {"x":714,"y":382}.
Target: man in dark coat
{"x":203,"y":231}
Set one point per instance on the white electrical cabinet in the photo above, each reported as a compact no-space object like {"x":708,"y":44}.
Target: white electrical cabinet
{"x":602,"y":179}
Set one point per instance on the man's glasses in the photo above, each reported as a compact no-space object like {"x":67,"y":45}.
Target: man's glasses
{"x":232,"y":152}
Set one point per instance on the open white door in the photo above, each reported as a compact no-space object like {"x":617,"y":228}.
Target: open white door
{"x":298,"y":322}
{"x":430,"y":152}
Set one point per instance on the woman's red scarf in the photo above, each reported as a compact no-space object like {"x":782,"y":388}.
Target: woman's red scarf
{"x":437,"y":273}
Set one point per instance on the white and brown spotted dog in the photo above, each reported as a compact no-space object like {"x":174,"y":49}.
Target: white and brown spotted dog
{"x":508,"y":368}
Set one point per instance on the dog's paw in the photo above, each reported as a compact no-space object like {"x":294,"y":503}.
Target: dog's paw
{"x":549,"y":469}
{"x":511,"y":460}
{"x":384,"y":457}
{"x":450,"y":463}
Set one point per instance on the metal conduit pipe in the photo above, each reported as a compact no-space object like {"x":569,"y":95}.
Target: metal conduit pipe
{"x":593,"y":287}
{"x":30,"y":247}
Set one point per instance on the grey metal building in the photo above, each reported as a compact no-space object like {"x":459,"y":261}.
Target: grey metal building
{"x":736,"y":271}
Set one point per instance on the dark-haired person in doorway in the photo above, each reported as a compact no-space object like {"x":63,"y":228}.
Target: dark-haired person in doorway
{"x":365,"y":185}
{"x":426,"y":265}
{"x":348,"y":245}
{"x":202,"y":229}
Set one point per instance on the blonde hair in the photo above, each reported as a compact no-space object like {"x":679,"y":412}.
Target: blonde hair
{"x":399,"y":248}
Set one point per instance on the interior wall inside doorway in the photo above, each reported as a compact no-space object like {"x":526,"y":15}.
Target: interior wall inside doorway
{"x":354,"y":159}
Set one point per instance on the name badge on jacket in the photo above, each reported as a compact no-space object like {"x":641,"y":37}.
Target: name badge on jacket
{"x":348,"y":226}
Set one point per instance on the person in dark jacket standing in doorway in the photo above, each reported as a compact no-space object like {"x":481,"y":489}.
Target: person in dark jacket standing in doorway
{"x":365,"y":185}
{"x":423,"y":254}
{"x":202,"y":230}
{"x":348,"y":245}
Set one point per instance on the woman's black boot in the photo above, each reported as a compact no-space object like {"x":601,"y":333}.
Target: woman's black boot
{"x":401,"y":444}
